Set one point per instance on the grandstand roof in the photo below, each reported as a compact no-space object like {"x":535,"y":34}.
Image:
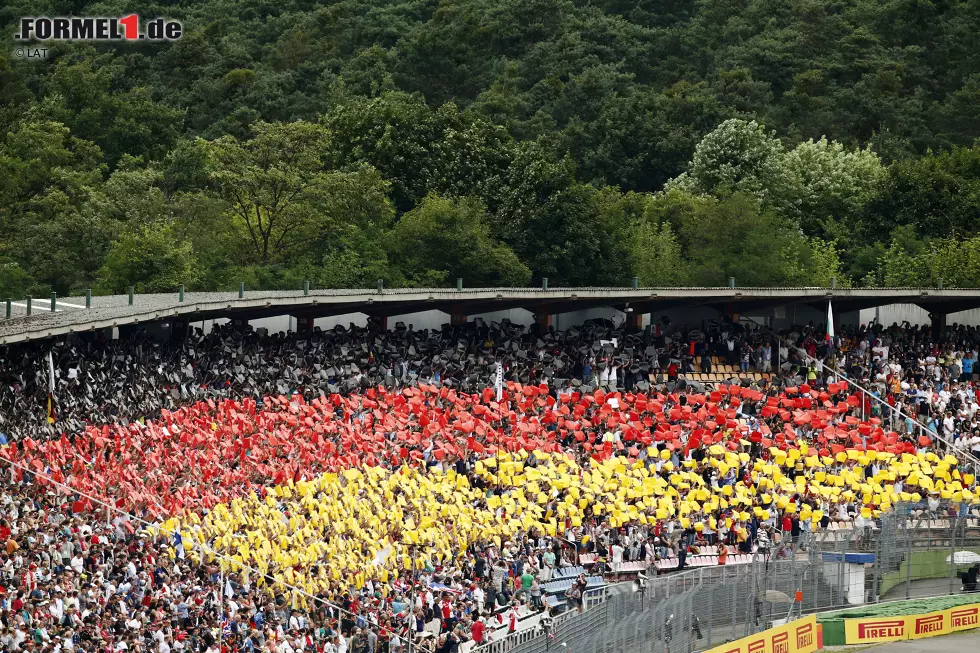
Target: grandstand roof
{"x":71,"y":315}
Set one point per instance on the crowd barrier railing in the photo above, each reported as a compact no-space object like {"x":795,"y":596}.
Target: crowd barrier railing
{"x":908,"y":552}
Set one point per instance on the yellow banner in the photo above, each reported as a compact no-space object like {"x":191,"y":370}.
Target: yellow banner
{"x":927,"y":625}
{"x":796,"y":637}
{"x":882,"y":629}
{"x":964,"y":617}
{"x":913,"y":626}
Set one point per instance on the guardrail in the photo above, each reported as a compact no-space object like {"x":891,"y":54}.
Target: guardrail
{"x":909,"y":552}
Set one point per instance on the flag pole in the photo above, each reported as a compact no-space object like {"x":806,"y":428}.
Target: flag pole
{"x":499,"y":381}
{"x":50,"y":388}
{"x":221,"y":607}
{"x":830,"y":324}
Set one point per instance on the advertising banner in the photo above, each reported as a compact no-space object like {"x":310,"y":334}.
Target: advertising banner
{"x":964,"y":617}
{"x":913,"y":626}
{"x":796,"y":637}
{"x":880,"y":629}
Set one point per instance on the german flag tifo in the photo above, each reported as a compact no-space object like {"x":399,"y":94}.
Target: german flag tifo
{"x":209,"y":453}
{"x":371,"y":482}
{"x":349,"y":518}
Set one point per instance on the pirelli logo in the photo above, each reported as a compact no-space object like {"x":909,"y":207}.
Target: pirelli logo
{"x":758,"y":646}
{"x":882,"y":629}
{"x":930,"y":624}
{"x":964,"y":618}
{"x":780,"y":642}
{"x":795,"y":637}
{"x":804,"y":636}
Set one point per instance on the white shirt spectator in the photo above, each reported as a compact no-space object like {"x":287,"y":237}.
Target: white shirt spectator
{"x":617,"y":554}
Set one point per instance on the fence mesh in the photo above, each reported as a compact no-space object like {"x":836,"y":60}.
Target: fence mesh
{"x":626,"y":621}
{"x":909,"y":553}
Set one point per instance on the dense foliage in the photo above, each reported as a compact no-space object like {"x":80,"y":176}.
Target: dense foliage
{"x":416,"y":141}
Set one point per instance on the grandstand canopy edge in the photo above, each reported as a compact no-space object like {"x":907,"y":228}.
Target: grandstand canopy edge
{"x":70,"y":314}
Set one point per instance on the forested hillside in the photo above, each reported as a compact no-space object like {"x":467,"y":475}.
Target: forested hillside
{"x":417,"y":141}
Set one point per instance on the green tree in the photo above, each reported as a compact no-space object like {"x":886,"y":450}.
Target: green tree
{"x":822,"y":265}
{"x":46,"y":225}
{"x":534,"y":175}
{"x":131,"y":194}
{"x":742,"y":157}
{"x":271,"y":182}
{"x":656,"y":255}
{"x":185,"y":168}
{"x":547,"y":111}
{"x":14,"y":281}
{"x":732,"y":237}
{"x":443,"y":239}
{"x":637,"y":139}
{"x":938,"y":194}
{"x":356,"y":215}
{"x":82,"y":95}
{"x":957,"y":114}
{"x":201,"y":219}
{"x":150,"y":258}
{"x":923,"y":262}
{"x":419,"y":149}
{"x":835,"y":185}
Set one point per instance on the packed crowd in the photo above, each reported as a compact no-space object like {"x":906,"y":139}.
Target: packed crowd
{"x":919,"y":381}
{"x":99,"y":381}
{"x":357,"y":490}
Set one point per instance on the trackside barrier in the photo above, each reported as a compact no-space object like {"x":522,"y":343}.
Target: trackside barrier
{"x":627,"y":622}
{"x":909,"y":551}
{"x":798,"y":636}
{"x":912,"y":626}
{"x":530,"y":628}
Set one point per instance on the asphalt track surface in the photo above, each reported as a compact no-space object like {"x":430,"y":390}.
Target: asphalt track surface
{"x":968,"y":642}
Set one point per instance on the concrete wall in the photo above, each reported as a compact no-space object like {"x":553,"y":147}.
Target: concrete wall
{"x":852,"y":576}
{"x":780,"y":317}
{"x":893,"y":313}
{"x":563,"y":321}
{"x":431,"y":319}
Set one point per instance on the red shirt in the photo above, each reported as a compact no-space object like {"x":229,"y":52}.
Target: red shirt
{"x":477,"y":631}
{"x":787,"y":523}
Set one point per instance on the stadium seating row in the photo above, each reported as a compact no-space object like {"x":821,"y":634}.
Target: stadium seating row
{"x":727,"y":376}
{"x":703,"y":561}
{"x":567,"y":572}
{"x":560,"y":586}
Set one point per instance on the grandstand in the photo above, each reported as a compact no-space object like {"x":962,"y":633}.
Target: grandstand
{"x":360,"y":478}
{"x":723,"y":372}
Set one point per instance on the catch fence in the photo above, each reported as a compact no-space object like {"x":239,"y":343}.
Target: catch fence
{"x":908,"y":553}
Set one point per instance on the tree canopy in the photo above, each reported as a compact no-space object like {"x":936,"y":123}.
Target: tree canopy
{"x":417,"y":141}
